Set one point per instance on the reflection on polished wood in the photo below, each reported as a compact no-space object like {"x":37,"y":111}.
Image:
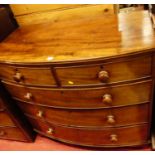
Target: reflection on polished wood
{"x":86,"y":81}
{"x":78,"y":39}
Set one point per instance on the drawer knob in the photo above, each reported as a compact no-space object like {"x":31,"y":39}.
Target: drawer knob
{"x":2,"y":133}
{"x":103,"y":76}
{"x":113,"y":138}
{"x":111,"y":119}
{"x":28,"y":96}
{"x":106,"y":10}
{"x":107,"y":98}
{"x":50,"y":131}
{"x":18,"y":77}
{"x":40,"y":113}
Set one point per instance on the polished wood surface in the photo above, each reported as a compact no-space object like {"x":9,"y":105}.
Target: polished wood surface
{"x":5,"y":119}
{"x":81,"y":80}
{"x":12,"y":133}
{"x":94,"y":137}
{"x":13,"y":125}
{"x":84,"y":98}
{"x":133,"y":68}
{"x":33,"y":76}
{"x":23,"y":9}
{"x":69,"y":76}
{"x":36,"y":13}
{"x":74,"y":39}
{"x":89,"y":118}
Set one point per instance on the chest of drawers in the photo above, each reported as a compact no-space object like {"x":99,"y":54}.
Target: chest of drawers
{"x":100,"y":95}
{"x":113,"y":110}
{"x":13,"y":125}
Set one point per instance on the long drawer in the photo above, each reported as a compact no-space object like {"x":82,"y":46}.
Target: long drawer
{"x":5,"y":119}
{"x":100,"y":117}
{"x":107,"y":73}
{"x":12,"y":133}
{"x":27,"y":75}
{"x":127,"y":94}
{"x":111,"y":137}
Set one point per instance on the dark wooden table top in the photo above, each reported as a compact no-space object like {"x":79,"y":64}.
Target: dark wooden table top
{"x":79,"y":39}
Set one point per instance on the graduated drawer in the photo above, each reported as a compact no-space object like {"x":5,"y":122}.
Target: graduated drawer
{"x":5,"y":119}
{"x":131,"y":69}
{"x":97,"y":117}
{"x":124,"y":136}
{"x":12,"y":133}
{"x":27,"y":75}
{"x":133,"y":93}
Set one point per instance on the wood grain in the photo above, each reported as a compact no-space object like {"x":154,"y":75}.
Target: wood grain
{"x":89,"y":118}
{"x":80,"y":39}
{"x":33,"y":76}
{"x":94,"y":137}
{"x":13,"y":124}
{"x":22,"y":9}
{"x":134,"y":68}
{"x":5,"y":119}
{"x":80,"y":75}
{"x":84,"y":98}
{"x":34,"y":14}
{"x":73,"y":52}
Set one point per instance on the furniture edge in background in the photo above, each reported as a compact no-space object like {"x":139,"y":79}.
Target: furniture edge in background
{"x":7,"y":22}
{"x":16,"y":116}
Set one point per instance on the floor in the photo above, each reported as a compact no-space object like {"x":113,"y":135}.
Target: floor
{"x":45,"y":144}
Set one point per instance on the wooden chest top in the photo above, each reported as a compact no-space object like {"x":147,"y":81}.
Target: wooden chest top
{"x":80,"y":39}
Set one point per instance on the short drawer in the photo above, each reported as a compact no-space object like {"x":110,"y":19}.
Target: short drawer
{"x":131,"y":69}
{"x":126,"y":136}
{"x":107,"y":117}
{"x":12,"y":133}
{"x":5,"y":119}
{"x":27,"y":75}
{"x":133,"y":93}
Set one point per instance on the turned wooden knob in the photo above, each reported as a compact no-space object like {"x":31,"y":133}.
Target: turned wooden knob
{"x":2,"y":133}
{"x":18,"y":77}
{"x":106,"y":10}
{"x":107,"y":98}
{"x":103,"y":76}
{"x":113,"y":138}
{"x":110,"y":119}
{"x":28,"y":96}
{"x":50,"y":131}
{"x":40,"y":113}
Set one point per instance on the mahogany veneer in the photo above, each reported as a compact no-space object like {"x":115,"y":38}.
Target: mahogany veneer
{"x":13,"y":125}
{"x":81,"y":81}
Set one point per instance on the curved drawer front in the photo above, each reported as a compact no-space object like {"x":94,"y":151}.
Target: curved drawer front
{"x":12,"y":133}
{"x":127,"y":94}
{"x":94,"y":137}
{"x":103,"y":117}
{"x":106,"y":73}
{"x":5,"y":119}
{"x":27,"y":75}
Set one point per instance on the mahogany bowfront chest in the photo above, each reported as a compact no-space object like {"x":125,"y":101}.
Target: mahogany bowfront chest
{"x":82,"y":81}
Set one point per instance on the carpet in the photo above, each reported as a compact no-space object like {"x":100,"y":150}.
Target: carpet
{"x":45,"y":144}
